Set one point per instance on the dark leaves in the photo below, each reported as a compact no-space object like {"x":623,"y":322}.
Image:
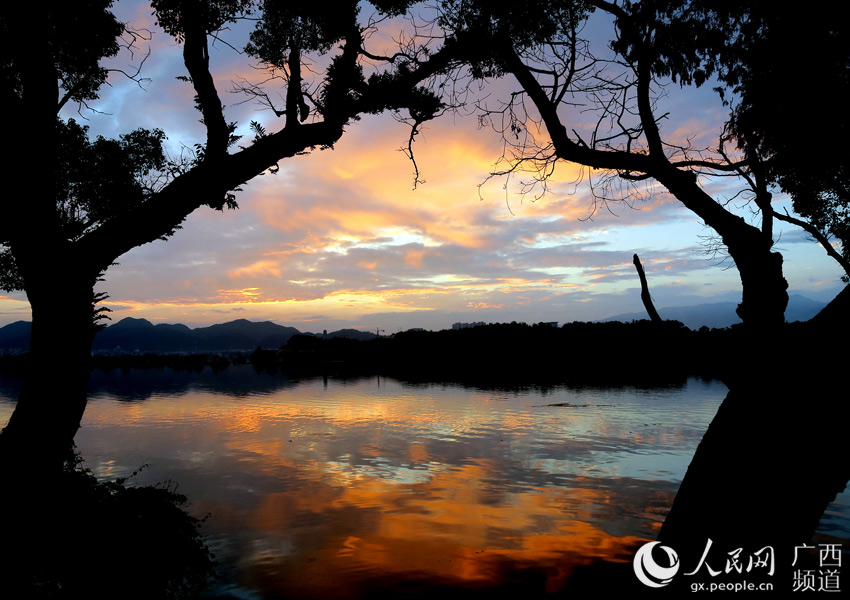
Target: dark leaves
{"x":100,"y":179}
{"x":177,"y":16}
{"x":77,"y":35}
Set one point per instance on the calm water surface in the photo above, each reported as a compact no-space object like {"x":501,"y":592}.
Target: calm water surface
{"x":337,"y":488}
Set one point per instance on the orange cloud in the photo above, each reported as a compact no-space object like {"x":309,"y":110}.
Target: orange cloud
{"x":477,"y":305}
{"x":259,"y":268}
{"x":369,"y":266}
{"x":414,"y":258}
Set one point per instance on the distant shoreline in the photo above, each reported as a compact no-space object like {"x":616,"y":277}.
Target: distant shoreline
{"x":509,"y":354}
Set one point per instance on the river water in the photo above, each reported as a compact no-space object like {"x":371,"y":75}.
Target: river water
{"x":344,"y":488}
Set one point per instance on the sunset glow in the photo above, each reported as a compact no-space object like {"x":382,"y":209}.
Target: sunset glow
{"x":369,"y":478}
{"x":340,"y":238}
{"x":366,"y":300}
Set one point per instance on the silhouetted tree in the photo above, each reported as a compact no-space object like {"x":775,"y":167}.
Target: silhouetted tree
{"x":566,"y":82}
{"x":75,"y":205}
{"x":750,"y":47}
{"x":771,"y":424}
{"x":790,"y":141}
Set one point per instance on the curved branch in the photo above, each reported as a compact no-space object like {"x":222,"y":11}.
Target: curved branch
{"x":204,"y":184}
{"x":647,"y":116}
{"x":714,"y":166}
{"x":209,"y":181}
{"x":818,"y":235}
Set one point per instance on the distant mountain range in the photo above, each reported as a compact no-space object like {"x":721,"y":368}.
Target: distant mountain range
{"x":131,"y":335}
{"x":722,"y":314}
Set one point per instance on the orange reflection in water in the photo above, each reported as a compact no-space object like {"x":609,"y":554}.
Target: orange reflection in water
{"x":350,"y":531}
{"x":357,"y":489}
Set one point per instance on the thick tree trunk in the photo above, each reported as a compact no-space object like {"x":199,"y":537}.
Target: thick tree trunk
{"x":765,"y":290}
{"x":771,"y":461}
{"x":53,"y":396}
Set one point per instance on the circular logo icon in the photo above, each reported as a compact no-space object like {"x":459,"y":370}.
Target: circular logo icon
{"x":649,"y":571}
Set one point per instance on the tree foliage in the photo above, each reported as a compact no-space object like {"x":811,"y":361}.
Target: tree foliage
{"x":176,"y":17}
{"x":108,"y":196}
{"x":96,"y":180}
{"x":76,"y":203}
{"x":139,"y":539}
{"x":796,"y":134}
{"x":481,"y":25}
{"x":785,"y":75}
{"x":100,"y":179}
{"x":599,"y":105}
{"x":79,"y":36}
{"x":144,"y":198}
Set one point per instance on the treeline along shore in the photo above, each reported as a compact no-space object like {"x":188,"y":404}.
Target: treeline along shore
{"x":611,"y":353}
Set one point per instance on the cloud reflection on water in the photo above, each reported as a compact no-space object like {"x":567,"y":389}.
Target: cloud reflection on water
{"x":347,"y":485}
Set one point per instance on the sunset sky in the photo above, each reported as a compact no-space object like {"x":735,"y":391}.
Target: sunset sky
{"x":340,"y":238}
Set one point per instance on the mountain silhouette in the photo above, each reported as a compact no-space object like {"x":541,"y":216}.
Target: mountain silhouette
{"x":15,"y":336}
{"x":131,"y":335}
{"x":140,"y":335}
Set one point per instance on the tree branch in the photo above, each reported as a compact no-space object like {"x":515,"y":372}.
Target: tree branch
{"x":818,"y":235}
{"x":682,"y":184}
{"x":197,"y":60}
{"x":207,"y":182}
{"x":645,"y":296}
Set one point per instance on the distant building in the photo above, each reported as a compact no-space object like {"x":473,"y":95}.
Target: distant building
{"x":467,"y":325}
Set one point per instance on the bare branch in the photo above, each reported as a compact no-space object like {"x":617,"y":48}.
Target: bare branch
{"x":818,"y":235}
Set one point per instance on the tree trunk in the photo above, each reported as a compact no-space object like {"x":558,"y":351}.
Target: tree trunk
{"x":771,"y":461}
{"x":53,"y":396}
{"x":765,"y":290}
